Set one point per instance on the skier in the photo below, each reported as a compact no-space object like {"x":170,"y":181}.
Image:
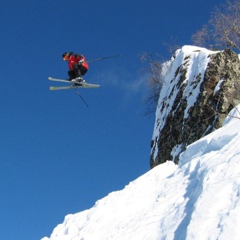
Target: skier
{"x":77,"y":66}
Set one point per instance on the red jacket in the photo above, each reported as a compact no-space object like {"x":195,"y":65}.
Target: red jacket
{"x":74,"y":59}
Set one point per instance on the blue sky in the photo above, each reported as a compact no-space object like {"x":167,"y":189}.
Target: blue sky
{"x":56,"y":155}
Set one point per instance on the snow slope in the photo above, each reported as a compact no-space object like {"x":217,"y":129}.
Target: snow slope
{"x":197,"y":200}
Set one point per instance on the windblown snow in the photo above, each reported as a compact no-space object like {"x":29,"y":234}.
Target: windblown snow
{"x":195,"y":200}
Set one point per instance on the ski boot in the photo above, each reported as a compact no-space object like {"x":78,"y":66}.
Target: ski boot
{"x":79,"y":79}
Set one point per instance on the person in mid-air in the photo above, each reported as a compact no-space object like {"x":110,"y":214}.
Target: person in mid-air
{"x":77,"y":65}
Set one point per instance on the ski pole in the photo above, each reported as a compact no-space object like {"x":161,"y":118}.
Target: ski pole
{"x":103,"y":58}
{"x":78,"y":93}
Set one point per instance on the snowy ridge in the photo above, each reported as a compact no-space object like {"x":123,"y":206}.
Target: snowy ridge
{"x":199,"y":199}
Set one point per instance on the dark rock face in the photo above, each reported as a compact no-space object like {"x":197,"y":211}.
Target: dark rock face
{"x":200,"y":88}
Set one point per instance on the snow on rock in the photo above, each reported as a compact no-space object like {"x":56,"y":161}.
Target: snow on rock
{"x":197,"y":85}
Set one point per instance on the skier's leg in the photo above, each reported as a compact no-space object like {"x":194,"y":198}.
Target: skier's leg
{"x":78,"y":74}
{"x":71,"y":75}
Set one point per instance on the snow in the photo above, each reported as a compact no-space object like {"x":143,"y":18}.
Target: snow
{"x":199,"y":199}
{"x":218,"y":87}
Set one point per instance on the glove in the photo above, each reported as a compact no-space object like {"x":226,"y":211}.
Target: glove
{"x":80,"y":62}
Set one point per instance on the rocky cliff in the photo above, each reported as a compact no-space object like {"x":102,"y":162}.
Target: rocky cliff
{"x":200,"y":87}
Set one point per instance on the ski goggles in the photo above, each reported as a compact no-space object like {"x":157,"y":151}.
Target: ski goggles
{"x":65,"y":58}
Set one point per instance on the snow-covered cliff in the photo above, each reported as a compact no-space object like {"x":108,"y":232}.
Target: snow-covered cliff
{"x":200,"y":87}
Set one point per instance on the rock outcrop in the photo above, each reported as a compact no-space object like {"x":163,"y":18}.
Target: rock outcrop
{"x":200,"y":87}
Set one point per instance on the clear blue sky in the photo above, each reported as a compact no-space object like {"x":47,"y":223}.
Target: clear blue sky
{"x":56,"y":155}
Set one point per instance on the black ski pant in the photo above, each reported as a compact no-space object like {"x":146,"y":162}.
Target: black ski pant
{"x":78,"y":71}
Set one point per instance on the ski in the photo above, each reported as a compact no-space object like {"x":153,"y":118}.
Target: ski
{"x":75,"y":84}
{"x":85,"y":85}
{"x":52,"y":88}
{"x":60,"y":80}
